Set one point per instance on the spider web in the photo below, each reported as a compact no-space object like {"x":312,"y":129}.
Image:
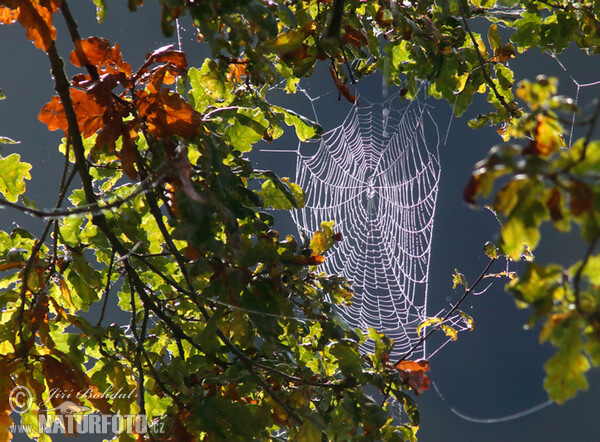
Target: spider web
{"x":376,"y":176}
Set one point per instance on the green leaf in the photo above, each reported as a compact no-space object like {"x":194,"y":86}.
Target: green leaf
{"x":305,"y":128}
{"x":538,"y":283}
{"x":13,"y":174}
{"x":494,"y":37}
{"x":280,"y":193}
{"x":490,"y":250}
{"x":592,"y":269}
{"x":348,"y":358}
{"x":208,"y":339}
{"x":309,"y":432}
{"x":428,"y":323}
{"x":458,"y":279}
{"x":6,"y":140}
{"x":449,"y":331}
{"x":247,"y":127}
{"x":100,"y":10}
{"x":565,"y":371}
{"x":322,"y":240}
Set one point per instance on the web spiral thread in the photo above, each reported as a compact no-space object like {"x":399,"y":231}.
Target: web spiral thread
{"x":376,"y":176}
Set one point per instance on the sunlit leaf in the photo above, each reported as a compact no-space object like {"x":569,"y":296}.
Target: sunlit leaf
{"x":13,"y":174}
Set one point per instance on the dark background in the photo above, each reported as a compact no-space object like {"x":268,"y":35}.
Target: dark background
{"x":494,"y":371}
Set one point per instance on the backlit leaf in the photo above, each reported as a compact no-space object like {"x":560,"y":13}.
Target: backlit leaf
{"x":413,"y":374}
{"x":168,"y":114}
{"x":322,"y":240}
{"x":13,"y":174}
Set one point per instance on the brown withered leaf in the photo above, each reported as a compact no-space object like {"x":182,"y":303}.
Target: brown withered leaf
{"x":379,"y":18}
{"x":168,"y":114}
{"x":504,"y":53}
{"x":342,"y":88}
{"x":89,"y":113}
{"x":166,"y":55}
{"x":581,"y":198}
{"x":181,"y":163}
{"x":128,"y":156}
{"x":61,"y":373}
{"x":553,"y":204}
{"x":36,"y":18}
{"x":413,"y":374}
{"x":355,"y":37}
{"x":98,"y":52}
{"x":472,"y":190}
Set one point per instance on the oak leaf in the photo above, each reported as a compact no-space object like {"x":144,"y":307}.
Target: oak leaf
{"x":413,"y":374}
{"x":89,"y":113}
{"x":35,"y":17}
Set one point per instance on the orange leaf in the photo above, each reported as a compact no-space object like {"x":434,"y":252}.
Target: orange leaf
{"x":236,"y":71}
{"x":168,"y":114}
{"x":342,"y":88}
{"x":413,"y":374}
{"x":315,"y":260}
{"x":36,"y":18}
{"x":89,"y":113}
{"x":98,"y":52}
{"x":8,"y":16}
{"x":176,"y":59}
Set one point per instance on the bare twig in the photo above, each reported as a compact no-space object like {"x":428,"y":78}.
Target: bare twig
{"x":106,"y":288}
{"x":447,"y":315}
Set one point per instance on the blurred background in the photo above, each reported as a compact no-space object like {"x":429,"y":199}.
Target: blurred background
{"x":489,"y":373}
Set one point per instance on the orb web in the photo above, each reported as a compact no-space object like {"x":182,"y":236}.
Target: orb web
{"x":376,"y":176}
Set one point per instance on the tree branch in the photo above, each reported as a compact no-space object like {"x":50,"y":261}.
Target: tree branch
{"x":447,"y":315}
{"x":486,"y":75}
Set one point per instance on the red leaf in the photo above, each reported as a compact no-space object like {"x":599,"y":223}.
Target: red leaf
{"x":342,"y":88}
{"x":413,"y":374}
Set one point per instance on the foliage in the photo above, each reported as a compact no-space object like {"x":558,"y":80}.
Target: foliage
{"x":231,"y":332}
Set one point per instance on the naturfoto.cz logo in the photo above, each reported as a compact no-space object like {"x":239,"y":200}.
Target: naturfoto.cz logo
{"x":69,"y":417}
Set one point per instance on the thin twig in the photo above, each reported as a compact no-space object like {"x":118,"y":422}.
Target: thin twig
{"x":487,"y":77}
{"x":450,"y":312}
{"x":106,"y":288}
{"x":577,"y":277}
{"x":94,"y":208}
